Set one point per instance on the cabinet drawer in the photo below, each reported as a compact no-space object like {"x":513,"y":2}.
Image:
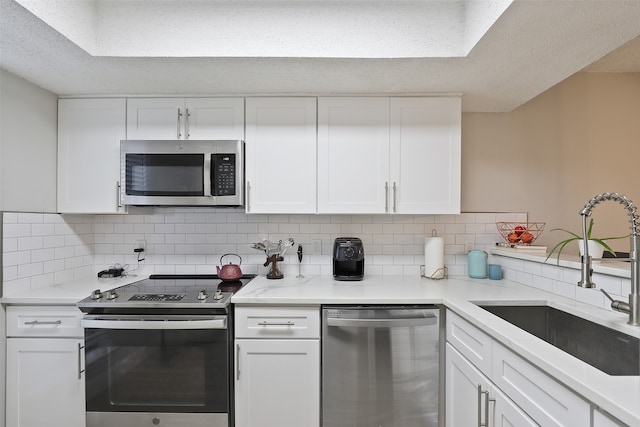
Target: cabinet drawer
{"x":277,"y":322}
{"x":544,"y":399}
{"x":44,"y":321}
{"x":474,"y":344}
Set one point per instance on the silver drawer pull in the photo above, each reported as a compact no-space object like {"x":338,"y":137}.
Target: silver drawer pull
{"x":288,"y":323}
{"x":37,"y":322}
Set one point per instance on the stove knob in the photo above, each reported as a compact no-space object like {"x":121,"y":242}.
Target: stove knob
{"x":96,"y":294}
{"x":202,"y":295}
{"x":112,"y":295}
{"x":219,"y":295}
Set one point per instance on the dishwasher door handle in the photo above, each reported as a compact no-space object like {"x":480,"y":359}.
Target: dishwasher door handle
{"x":382,"y":323}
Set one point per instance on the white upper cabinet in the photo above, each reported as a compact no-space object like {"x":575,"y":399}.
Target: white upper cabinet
{"x":353,"y":155}
{"x":185,"y":118}
{"x":89,"y":134}
{"x":389,"y":155}
{"x":281,"y":155}
{"x":425,"y":155}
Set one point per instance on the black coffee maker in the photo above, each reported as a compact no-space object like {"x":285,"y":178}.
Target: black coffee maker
{"x":348,"y":259}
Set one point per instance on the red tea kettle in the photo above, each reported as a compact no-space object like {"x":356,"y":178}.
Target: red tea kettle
{"x":229,"y":272}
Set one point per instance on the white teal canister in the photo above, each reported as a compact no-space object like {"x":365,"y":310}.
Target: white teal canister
{"x":477,"y":264}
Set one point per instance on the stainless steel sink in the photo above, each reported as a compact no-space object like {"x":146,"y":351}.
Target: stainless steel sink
{"x":608,"y":350}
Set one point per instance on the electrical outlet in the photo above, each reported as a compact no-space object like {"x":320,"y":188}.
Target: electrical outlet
{"x":317,"y":246}
{"x":141,"y":244}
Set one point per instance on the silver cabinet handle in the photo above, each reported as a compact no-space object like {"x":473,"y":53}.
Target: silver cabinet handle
{"x":287,"y":323}
{"x":394,"y":196}
{"x":186,"y":123}
{"x":237,"y":361}
{"x":37,"y":322}
{"x":386,"y":196}
{"x":118,"y":201}
{"x":178,"y":125}
{"x":248,"y":196}
{"x":480,"y":406}
{"x":486,"y":407}
{"x":80,"y":370}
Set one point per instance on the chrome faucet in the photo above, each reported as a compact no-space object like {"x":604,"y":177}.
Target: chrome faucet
{"x":633,"y":307}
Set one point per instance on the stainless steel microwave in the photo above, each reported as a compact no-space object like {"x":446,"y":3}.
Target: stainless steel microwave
{"x":182,"y":172}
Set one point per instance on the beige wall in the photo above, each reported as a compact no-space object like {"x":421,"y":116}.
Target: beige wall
{"x":551,"y":155}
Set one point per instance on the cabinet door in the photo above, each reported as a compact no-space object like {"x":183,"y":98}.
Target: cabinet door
{"x":89,"y":134}
{"x":602,"y":419}
{"x":277,"y":383}
{"x":155,"y":118}
{"x":425,"y":155}
{"x":353,"y":155}
{"x":281,"y":155}
{"x":543,"y":398}
{"x":472,"y":400}
{"x":214,"y":118}
{"x":464,"y":401}
{"x":45,"y":386}
{"x":505,"y":413}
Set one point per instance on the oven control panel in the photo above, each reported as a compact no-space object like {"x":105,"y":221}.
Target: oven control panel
{"x":157,"y":297}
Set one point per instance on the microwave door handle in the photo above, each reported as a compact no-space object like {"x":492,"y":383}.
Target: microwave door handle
{"x":208,"y":175}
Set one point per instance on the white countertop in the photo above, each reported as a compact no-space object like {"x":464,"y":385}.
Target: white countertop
{"x":618,"y":395}
{"x":610,"y":266}
{"x":69,"y":293}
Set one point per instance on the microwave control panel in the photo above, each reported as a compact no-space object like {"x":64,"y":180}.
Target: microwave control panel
{"x":223,"y":169}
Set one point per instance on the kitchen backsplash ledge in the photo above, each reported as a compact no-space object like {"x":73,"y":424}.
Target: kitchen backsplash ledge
{"x":42,"y":250}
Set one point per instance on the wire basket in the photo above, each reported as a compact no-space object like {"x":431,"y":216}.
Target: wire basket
{"x":520,"y":233}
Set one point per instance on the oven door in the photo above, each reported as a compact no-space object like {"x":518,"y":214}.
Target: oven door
{"x":157,"y":370}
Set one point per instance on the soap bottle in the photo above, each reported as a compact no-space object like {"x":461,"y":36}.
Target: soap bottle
{"x":477,"y":264}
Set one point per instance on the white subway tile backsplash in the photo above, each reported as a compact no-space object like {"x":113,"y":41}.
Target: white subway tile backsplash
{"x":43,"y":255}
{"x":44,"y":248}
{"x":29,"y":243}
{"x":31,"y":269}
{"x":42,"y":229}
{"x":10,"y":273}
{"x":565,"y":289}
{"x":63,"y":229}
{"x":16,"y":230}
{"x":30,"y":218}
{"x":16,"y":258}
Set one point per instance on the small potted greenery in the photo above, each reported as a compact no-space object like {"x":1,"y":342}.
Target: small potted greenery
{"x":575,"y":237}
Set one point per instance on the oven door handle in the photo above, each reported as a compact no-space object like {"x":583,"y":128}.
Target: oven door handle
{"x":219,"y":322}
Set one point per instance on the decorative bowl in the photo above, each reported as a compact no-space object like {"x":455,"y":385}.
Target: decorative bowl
{"x":520,"y":233}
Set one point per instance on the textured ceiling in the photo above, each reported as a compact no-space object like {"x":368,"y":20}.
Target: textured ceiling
{"x":271,"y":28}
{"x":625,"y":59}
{"x":532,"y":46}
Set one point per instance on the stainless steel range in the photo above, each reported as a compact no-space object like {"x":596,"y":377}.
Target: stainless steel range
{"x":158,"y":352}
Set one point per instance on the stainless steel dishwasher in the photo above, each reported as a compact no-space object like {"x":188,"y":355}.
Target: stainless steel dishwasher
{"x":380,"y":366}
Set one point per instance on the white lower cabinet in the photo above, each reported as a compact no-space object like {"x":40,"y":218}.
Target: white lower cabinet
{"x":472,"y":400}
{"x":277,"y":367}
{"x":602,"y":419}
{"x":45,"y":376}
{"x":277,"y":383}
{"x":520,"y":394}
